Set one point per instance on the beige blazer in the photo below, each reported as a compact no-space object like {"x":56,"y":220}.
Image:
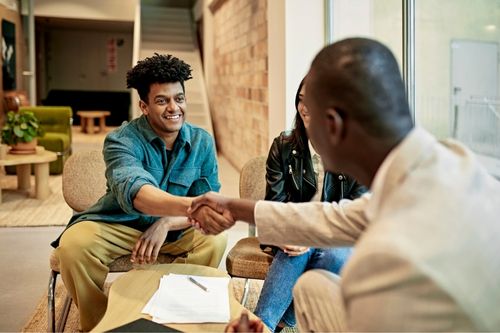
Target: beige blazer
{"x":427,"y":240}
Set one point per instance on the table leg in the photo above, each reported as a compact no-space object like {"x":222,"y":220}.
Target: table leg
{"x":102,"y":124}
{"x":82,"y":124}
{"x":23,"y":172}
{"x":42,"y":189}
{"x":90,"y":125}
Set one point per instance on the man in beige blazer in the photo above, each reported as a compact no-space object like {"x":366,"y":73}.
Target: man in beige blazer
{"x":426,"y":252}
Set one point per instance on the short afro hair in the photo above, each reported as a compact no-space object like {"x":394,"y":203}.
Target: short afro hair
{"x":157,"y":69}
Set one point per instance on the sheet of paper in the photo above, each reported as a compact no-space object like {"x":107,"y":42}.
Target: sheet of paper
{"x":179,"y":300}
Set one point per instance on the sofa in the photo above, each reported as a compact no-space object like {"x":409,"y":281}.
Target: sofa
{"x":56,"y":122}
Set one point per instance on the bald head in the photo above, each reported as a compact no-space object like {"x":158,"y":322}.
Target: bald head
{"x":357,"y":105}
{"x":360,"y":78}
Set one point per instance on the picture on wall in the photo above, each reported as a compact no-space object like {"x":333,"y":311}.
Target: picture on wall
{"x":8,"y":55}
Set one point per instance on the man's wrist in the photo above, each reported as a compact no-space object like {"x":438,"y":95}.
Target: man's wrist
{"x":165,"y":223}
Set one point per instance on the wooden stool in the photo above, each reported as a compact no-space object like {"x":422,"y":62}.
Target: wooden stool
{"x":87,"y":120}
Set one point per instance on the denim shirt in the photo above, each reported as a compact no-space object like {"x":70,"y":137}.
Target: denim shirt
{"x":136,"y":156}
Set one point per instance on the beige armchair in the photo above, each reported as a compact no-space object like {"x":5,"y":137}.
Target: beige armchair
{"x":246,"y":259}
{"x":83,"y":183}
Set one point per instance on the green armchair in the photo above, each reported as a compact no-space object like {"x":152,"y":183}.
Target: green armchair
{"x":56,"y":122}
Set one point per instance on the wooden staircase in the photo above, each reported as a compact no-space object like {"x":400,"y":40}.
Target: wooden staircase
{"x":167,"y":30}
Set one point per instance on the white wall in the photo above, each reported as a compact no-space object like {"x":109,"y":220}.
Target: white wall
{"x":111,"y":10}
{"x":296,"y":34}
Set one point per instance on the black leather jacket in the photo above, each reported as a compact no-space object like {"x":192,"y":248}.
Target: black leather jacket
{"x":290,"y":175}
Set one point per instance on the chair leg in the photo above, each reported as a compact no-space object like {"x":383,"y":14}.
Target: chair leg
{"x":51,"y":293}
{"x":246,"y":290}
{"x":52,"y":306}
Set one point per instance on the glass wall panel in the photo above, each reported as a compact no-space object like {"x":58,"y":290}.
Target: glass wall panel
{"x":457,"y":73}
{"x":378,"y":19}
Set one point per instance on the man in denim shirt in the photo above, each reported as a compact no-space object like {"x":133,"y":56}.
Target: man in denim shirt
{"x":154,"y":165}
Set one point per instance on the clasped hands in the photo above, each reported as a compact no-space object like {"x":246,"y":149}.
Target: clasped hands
{"x":210,"y":214}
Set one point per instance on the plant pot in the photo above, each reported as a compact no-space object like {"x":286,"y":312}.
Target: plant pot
{"x":22,"y":148}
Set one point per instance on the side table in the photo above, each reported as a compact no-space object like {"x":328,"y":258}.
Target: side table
{"x":87,"y":120}
{"x":40,"y":161}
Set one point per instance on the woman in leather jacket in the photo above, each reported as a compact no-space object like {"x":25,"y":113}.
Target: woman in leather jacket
{"x":294,"y":173}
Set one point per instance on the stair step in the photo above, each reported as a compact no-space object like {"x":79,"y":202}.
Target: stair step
{"x":165,"y":16}
{"x":167,"y":38}
{"x":155,"y":29}
{"x":168,"y":46}
{"x":167,"y":10}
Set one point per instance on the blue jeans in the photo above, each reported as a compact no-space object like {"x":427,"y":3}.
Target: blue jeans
{"x":276,"y":300}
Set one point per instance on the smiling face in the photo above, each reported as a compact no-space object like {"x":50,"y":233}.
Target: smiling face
{"x":301,"y":107}
{"x":165,"y":108}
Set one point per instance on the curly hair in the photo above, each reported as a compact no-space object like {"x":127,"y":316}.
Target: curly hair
{"x":157,"y":69}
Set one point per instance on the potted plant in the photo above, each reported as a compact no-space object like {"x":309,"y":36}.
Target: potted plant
{"x":20,"y":132}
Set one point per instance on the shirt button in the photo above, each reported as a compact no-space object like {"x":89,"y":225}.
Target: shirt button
{"x":294,"y":152}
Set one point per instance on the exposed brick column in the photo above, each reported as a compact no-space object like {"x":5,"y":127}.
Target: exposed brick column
{"x":239,"y":89}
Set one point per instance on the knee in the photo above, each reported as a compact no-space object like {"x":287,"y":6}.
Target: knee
{"x":314,"y":282}
{"x":216,"y":243}
{"x":77,"y":240}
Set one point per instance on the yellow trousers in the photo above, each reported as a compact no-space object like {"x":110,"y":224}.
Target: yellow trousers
{"x":87,"y":248}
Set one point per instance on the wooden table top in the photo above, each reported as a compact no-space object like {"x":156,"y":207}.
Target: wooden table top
{"x":130,"y":292}
{"x":93,"y":114}
{"x":41,"y":156}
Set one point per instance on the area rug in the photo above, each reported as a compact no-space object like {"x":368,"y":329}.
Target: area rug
{"x":38,"y":321}
{"x":21,"y":209}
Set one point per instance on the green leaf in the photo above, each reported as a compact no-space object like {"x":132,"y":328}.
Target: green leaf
{"x":18,"y":131}
{"x":24,"y":126}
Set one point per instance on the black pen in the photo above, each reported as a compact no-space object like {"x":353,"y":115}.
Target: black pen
{"x":190,"y":278}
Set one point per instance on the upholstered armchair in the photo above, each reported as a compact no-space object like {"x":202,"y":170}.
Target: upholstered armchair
{"x":246,"y":259}
{"x":56,"y":123}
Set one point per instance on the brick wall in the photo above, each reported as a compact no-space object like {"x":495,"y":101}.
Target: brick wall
{"x":239,"y":89}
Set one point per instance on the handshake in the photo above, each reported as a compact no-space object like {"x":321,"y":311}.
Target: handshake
{"x":212,"y":213}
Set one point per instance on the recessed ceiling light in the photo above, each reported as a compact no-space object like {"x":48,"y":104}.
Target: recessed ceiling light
{"x":490,"y":27}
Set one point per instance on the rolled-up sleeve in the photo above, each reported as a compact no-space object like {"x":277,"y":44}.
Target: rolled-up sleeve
{"x":125,"y":172}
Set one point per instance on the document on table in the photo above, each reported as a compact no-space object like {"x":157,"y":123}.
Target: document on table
{"x":180,"y":300}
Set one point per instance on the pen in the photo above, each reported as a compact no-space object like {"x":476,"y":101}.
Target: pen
{"x":197,"y":283}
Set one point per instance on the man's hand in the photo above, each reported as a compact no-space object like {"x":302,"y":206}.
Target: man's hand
{"x":209,"y":213}
{"x":243,"y":324}
{"x":212,"y":221}
{"x":294,"y":251}
{"x":149,"y":244}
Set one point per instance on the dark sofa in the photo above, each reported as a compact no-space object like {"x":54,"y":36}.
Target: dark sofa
{"x":117,"y":102}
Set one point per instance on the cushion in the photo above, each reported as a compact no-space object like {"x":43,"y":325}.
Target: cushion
{"x":56,"y":142}
{"x":247,"y":260}
{"x":121,"y":264}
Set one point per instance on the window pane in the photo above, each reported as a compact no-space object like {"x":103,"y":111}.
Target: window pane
{"x":457,"y":73}
{"x":377,"y":19}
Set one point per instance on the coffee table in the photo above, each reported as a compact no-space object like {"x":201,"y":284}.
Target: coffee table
{"x":23,"y":163}
{"x":130,"y":292}
{"x":87,"y":120}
